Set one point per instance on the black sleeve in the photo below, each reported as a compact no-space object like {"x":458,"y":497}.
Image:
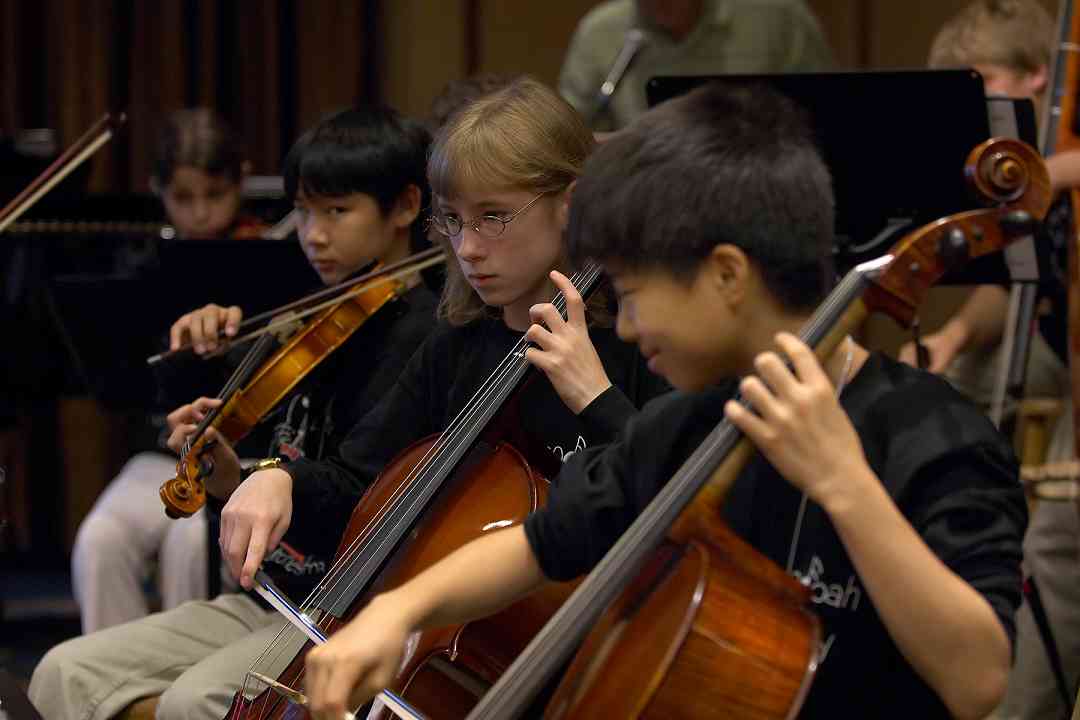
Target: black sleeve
{"x":971,"y":513}
{"x":399,"y":331}
{"x":327,"y":490}
{"x":601,"y":490}
{"x":606,"y":416}
{"x":588,"y":509}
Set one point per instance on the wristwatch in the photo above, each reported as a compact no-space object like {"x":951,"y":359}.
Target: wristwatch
{"x":265,"y":464}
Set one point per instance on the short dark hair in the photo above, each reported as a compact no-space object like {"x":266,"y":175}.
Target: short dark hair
{"x":722,"y":165}
{"x":198,"y":138}
{"x":372,"y":150}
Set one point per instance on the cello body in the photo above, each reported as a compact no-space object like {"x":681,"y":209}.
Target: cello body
{"x":483,"y":473}
{"x":680,"y":619}
{"x":710,"y":628}
{"x":445,"y":670}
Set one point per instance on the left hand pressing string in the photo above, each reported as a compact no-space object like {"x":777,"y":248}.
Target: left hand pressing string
{"x":564,"y":351}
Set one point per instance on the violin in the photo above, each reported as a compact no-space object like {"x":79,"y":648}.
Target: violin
{"x":264,"y":378}
{"x":679,"y":598}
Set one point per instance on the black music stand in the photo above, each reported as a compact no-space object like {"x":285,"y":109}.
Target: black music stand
{"x":895,"y":143}
{"x":114,"y":322}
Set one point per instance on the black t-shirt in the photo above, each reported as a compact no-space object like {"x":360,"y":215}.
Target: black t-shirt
{"x":312,"y":421}
{"x":437,"y":383}
{"x":950,"y":472}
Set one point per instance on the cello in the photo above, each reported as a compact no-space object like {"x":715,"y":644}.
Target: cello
{"x":476,"y":476}
{"x":679,"y":598}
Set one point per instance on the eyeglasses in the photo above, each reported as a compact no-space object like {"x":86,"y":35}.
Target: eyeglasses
{"x":488,"y":225}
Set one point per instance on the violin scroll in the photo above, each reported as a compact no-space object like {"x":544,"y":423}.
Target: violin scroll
{"x":185,"y":493}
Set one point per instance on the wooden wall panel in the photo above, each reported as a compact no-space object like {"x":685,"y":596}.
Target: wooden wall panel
{"x":273,"y":67}
{"x":523,"y":36}
{"x":155,"y":81}
{"x":329,"y":51}
{"x":842,"y":22}
{"x":424,"y":47}
{"x":10,"y":66}
{"x":900,"y":34}
{"x":77,"y":36}
{"x":253,"y":100}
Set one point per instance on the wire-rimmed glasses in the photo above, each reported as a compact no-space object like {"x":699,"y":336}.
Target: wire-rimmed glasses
{"x":488,"y":225}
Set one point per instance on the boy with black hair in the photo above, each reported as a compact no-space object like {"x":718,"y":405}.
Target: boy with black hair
{"x":358,"y":181}
{"x":897,"y":502}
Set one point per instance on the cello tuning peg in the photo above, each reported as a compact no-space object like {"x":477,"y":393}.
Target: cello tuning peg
{"x":953,"y":247}
{"x":1018,"y":223}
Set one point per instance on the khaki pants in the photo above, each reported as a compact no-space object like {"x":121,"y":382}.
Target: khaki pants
{"x":118,"y":542}
{"x":195,"y":656}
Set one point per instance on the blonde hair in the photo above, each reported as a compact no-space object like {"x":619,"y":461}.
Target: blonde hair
{"x":522,"y":137}
{"x":1015,"y":34}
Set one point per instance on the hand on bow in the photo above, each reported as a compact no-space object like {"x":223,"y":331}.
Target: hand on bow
{"x":201,"y":327}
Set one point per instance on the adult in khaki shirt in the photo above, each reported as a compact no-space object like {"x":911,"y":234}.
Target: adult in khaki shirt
{"x":685,"y":37}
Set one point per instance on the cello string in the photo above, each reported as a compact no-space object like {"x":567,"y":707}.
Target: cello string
{"x":461,"y":432}
{"x":465,"y":420}
{"x":340,"y":564}
{"x":326,"y":585}
{"x":247,"y":678}
{"x":687,"y":481}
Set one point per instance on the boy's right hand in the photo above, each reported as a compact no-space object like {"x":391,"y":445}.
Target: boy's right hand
{"x":254,"y":521}
{"x":201,"y":327}
{"x":182,"y":424}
